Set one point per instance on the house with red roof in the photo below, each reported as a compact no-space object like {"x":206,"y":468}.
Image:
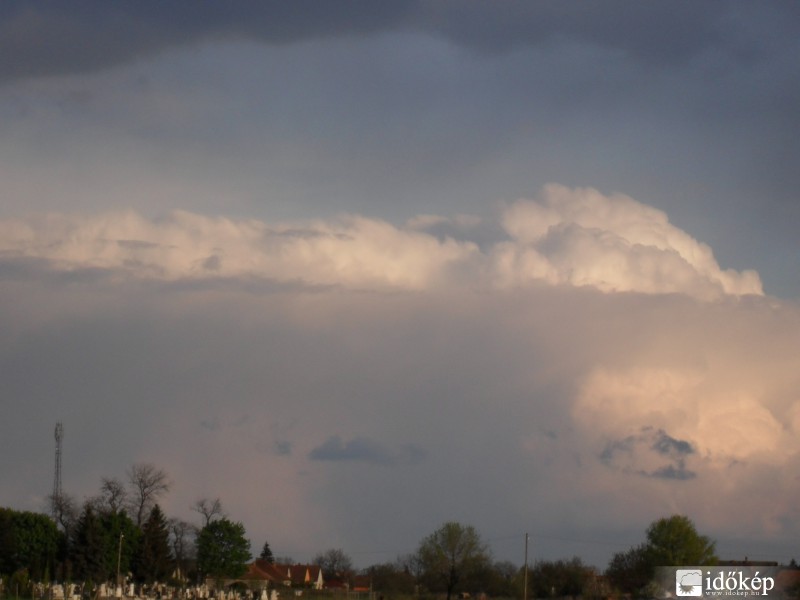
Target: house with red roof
{"x":300,"y":576}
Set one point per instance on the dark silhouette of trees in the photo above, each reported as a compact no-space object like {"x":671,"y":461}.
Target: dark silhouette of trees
{"x":501,"y":579}
{"x":209,"y":509}
{"x":266,"y":554}
{"x":99,"y":541}
{"x":113,"y":496}
{"x":182,"y":550}
{"x":89,"y":547}
{"x":335,"y":563}
{"x":64,"y":509}
{"x":450,"y":556}
{"x":631,"y":570}
{"x":154,"y":560}
{"x":391,"y":577}
{"x":559,"y":578}
{"x":147,"y":484}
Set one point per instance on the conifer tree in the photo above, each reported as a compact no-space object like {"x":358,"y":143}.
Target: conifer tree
{"x":266,"y":554}
{"x":154,"y":562}
{"x":89,"y":557}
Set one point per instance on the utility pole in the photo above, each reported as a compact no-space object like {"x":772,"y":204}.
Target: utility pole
{"x":525,"y":584}
{"x":119,"y":558}
{"x":57,"y":506}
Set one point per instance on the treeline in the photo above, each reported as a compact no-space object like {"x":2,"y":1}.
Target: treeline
{"x":455,"y":559}
{"x":122,"y":535}
{"x":119,"y":534}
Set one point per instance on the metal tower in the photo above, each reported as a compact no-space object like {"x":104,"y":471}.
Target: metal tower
{"x":57,"y":477}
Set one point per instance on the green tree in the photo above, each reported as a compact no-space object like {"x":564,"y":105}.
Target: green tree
{"x":450,"y":556}
{"x":99,"y":541}
{"x":222,"y":549}
{"x":88,"y":548}
{"x":29,"y":541}
{"x":154,"y":561}
{"x":674,"y":542}
{"x":671,"y":542}
{"x":123,"y":538}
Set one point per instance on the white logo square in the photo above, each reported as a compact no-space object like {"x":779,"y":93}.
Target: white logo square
{"x":689,"y":582}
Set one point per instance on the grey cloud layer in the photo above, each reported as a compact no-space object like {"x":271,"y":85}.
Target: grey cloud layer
{"x":49,"y":37}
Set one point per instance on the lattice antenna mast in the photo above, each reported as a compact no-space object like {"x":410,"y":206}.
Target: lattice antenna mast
{"x":59,"y":434}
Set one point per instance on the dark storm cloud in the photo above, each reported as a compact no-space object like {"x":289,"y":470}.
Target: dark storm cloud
{"x":678,"y":472}
{"x":51,"y":37}
{"x":635,"y":453}
{"x":46,"y":38}
{"x":364,"y":449}
{"x":669,"y":446}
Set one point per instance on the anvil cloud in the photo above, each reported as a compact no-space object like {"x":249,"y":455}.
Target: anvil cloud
{"x":361,"y":268}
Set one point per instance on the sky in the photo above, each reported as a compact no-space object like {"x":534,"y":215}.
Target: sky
{"x":362,"y":268}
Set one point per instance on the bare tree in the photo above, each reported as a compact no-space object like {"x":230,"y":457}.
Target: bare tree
{"x":112,"y":497}
{"x":147,"y":484}
{"x":451,"y":554}
{"x":64,"y":510}
{"x":114,"y":492}
{"x":334,"y":563}
{"x":210,"y":509}
{"x":182,"y":549}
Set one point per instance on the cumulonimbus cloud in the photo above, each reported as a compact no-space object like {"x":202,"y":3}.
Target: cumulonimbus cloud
{"x":575,"y":345}
{"x":572,"y":237}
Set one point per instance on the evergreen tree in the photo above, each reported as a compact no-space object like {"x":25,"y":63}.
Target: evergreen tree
{"x":154,"y":561}
{"x":123,"y":539}
{"x":88,"y":550}
{"x":102,"y":543}
{"x":266,"y":554}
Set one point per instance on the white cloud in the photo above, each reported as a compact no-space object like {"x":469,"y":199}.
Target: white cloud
{"x":724,"y":423}
{"x":569,"y":237}
{"x":352,"y":252}
{"x":581,"y":237}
